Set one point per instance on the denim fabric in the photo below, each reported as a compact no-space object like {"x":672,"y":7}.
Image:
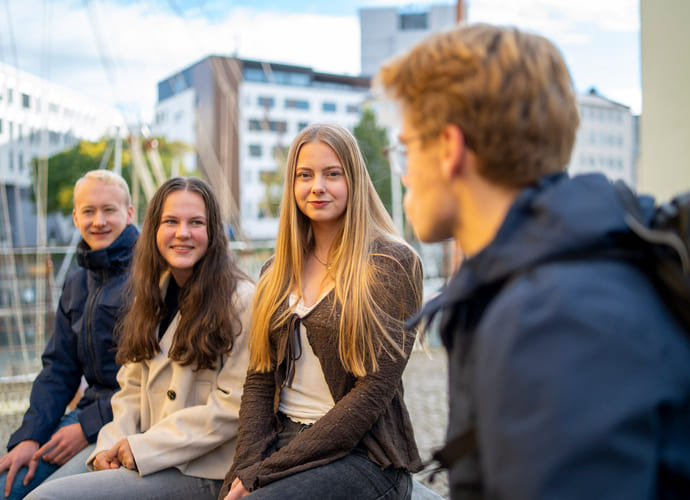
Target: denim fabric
{"x":43,"y":470}
{"x":353,"y":476}
{"x":118,"y":484}
{"x":75,"y":465}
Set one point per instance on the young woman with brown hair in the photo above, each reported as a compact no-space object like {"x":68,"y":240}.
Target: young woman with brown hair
{"x":183,"y":348}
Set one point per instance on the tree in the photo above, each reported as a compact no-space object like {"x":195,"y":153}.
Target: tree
{"x":373,"y":140}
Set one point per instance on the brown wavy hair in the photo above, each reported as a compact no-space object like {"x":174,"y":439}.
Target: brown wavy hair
{"x":209,"y":321}
{"x":509,"y":91}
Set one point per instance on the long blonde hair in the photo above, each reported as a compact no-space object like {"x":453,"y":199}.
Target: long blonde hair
{"x":362,"y":327}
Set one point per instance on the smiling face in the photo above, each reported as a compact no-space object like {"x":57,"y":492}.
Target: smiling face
{"x":182,"y":236}
{"x":320,"y":186}
{"x":100,"y":212}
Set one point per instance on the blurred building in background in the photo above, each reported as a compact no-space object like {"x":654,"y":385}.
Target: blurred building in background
{"x":606,"y":140}
{"x":664,"y":127}
{"x":387,"y":31}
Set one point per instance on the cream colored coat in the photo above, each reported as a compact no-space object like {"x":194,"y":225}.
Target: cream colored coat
{"x":174,"y":416}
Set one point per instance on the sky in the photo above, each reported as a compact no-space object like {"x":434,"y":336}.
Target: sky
{"x":117,"y":51}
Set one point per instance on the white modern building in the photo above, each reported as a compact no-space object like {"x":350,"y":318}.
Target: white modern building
{"x":606,"y":139}
{"x":40,"y":118}
{"x":240,"y":116}
{"x":386,"y":31}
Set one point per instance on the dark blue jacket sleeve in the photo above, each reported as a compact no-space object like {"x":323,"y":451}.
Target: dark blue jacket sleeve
{"x":55,"y":384}
{"x":96,"y":414}
{"x":575,"y":365}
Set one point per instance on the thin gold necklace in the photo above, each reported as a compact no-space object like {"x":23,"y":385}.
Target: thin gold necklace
{"x":327,"y":265}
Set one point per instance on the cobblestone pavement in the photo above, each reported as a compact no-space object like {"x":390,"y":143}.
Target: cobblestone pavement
{"x":426,"y":396}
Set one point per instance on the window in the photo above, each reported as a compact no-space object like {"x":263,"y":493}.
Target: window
{"x":352,"y":108}
{"x":329,"y":107}
{"x":26,"y":101}
{"x":254,"y":75}
{"x":296,"y":104}
{"x":0,"y":125}
{"x":53,"y":108}
{"x":301,"y":125}
{"x":275,"y":126}
{"x":272,"y":125}
{"x":266,"y":102}
{"x":255,"y":150}
{"x":10,"y":96}
{"x":412,"y":21}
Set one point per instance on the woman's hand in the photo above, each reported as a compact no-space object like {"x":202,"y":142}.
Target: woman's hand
{"x":122,"y":453}
{"x":102,"y":462}
{"x":237,"y":490}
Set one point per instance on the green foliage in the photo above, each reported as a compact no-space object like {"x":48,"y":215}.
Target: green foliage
{"x":372,"y":141}
{"x":273,"y":183}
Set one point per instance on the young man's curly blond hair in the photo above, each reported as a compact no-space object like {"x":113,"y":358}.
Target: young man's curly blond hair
{"x":510,"y":93}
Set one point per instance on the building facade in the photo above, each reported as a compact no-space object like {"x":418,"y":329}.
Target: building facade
{"x":240,"y":116}
{"x":606,"y":140}
{"x":386,"y":31}
{"x":664,"y":128}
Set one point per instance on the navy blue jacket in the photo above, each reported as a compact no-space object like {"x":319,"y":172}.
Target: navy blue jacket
{"x":82,"y":344}
{"x":573,"y":371}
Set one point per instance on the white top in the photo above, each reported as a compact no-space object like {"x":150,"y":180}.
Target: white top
{"x":309,"y":397}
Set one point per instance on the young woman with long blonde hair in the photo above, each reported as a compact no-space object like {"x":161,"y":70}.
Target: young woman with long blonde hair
{"x":322,"y":412}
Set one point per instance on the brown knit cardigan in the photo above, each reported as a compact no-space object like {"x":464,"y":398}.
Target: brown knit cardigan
{"x":369,"y":411}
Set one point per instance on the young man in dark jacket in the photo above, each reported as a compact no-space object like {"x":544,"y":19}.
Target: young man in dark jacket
{"x":82,"y":342}
{"x":571,"y":370}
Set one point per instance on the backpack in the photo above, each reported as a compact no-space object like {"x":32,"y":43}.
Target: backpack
{"x":661,"y":247}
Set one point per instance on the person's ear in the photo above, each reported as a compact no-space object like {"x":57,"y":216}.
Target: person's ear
{"x":74,"y":217}
{"x":130,"y":214}
{"x":452,"y":151}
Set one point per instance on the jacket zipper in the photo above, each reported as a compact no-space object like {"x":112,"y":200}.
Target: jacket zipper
{"x":89,"y":330}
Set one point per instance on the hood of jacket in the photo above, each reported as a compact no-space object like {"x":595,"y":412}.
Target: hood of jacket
{"x":115,"y":256}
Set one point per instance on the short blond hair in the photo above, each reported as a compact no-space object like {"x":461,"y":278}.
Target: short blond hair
{"x":106,"y":177}
{"x":510,"y":92}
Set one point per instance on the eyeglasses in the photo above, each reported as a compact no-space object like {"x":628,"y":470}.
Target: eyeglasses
{"x":397,"y":155}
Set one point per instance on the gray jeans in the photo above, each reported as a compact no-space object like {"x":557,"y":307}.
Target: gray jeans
{"x":353,"y":476}
{"x":118,"y":484}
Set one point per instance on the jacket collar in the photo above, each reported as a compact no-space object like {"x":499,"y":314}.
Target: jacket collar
{"x":117,"y":255}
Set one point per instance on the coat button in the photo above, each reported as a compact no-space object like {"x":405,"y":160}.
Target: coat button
{"x":171,"y":395}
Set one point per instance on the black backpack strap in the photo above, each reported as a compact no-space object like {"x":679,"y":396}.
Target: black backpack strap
{"x":635,"y":220}
{"x":456,"y":448}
